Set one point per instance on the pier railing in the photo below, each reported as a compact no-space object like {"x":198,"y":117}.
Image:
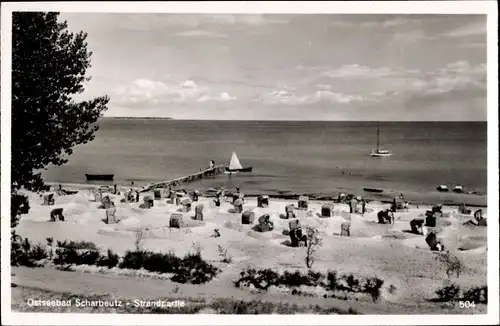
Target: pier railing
{"x":186,"y":179}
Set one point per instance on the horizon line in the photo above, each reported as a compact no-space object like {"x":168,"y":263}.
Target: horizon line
{"x":285,"y":120}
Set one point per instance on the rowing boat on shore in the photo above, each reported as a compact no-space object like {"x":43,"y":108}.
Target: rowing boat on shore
{"x":373,"y":190}
{"x":101,"y":177}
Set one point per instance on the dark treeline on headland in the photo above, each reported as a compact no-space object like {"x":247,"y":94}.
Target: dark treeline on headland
{"x":139,"y":118}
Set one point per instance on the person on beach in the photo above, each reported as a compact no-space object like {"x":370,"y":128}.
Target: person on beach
{"x":212,"y":164}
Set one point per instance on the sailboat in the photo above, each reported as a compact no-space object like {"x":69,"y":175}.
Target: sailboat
{"x":379,"y":152}
{"x":235,"y":165}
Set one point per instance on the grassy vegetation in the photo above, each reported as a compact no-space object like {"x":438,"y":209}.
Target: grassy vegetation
{"x":264,"y":278}
{"x":191,"y":268}
{"x":452,"y":292}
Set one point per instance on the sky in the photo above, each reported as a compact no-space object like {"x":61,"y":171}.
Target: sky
{"x":288,"y":66}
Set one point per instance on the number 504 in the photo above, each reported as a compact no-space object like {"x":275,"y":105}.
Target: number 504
{"x":466,"y":304}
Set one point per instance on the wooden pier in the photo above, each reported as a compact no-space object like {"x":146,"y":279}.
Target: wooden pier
{"x":186,"y":179}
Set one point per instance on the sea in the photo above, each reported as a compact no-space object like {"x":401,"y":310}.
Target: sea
{"x":287,"y":156}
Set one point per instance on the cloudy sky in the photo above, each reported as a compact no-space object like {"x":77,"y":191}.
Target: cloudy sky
{"x":288,"y":67}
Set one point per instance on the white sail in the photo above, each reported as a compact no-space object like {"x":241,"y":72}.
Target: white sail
{"x":235,"y":164}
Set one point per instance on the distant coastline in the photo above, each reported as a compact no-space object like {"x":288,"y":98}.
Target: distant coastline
{"x":138,"y":118}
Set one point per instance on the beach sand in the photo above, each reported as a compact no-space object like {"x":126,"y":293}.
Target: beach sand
{"x":390,"y":252}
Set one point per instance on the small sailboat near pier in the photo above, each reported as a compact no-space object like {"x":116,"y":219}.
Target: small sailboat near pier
{"x":235,"y":165}
{"x":379,"y":152}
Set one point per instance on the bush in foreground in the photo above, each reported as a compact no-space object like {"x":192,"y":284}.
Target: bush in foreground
{"x":451,"y":292}
{"x":189,"y":269}
{"x":76,"y":257}
{"x":77,"y":244}
{"x":110,"y":260}
{"x":23,"y":253}
{"x":477,"y":294}
{"x":265,"y":278}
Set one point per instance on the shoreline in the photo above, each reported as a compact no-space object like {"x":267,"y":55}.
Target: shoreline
{"x":414,"y":198}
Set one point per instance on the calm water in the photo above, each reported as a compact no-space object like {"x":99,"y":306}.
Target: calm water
{"x":286,"y":156}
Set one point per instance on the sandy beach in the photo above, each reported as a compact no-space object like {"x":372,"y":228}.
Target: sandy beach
{"x":402,"y":259}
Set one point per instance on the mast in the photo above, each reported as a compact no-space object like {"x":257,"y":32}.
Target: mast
{"x":378,"y":135}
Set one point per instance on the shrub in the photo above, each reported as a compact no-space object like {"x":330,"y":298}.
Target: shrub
{"x":314,"y":278}
{"x":39,"y":252}
{"x":71,"y":255}
{"x":372,"y":286}
{"x":66,"y":256}
{"x":449,"y":292}
{"x":193,"y":269}
{"x":200,"y":274}
{"x":88,"y":257}
{"x":110,"y":260}
{"x":352,"y":283}
{"x":77,"y":244}
{"x":451,"y":263}
{"x":23,"y":253}
{"x":192,"y":259}
{"x":293,"y":279}
{"x":477,"y":294}
{"x":190,"y":269}
{"x":134,"y":259}
{"x":331,"y":280}
{"x":162,"y":263}
{"x":261,"y":279}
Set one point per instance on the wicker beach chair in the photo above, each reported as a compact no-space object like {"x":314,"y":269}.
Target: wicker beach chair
{"x":345,"y":229}
{"x":199,"y":212}
{"x":327,"y":210}
{"x":247,"y":217}
{"x":289,"y":211}
{"x":303,"y":202}
{"x":353,"y":203}
{"x":48,"y":200}
{"x":385,"y":216}
{"x":263,"y":201}
{"x":176,"y":221}
{"x":238,"y":206}
{"x":56,"y":215}
{"x":148,"y":202}
{"x":158,"y":194}
{"x":430,"y":220}
{"x":196,"y":195}
{"x":265,"y":223}
{"x":110,"y":215}
{"x":431,"y":241}
{"x":186,"y":205}
{"x":416,"y":225}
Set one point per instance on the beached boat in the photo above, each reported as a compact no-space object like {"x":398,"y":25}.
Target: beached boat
{"x":373,"y":190}
{"x":458,"y":189}
{"x":442,"y":188}
{"x":235,"y":165}
{"x":379,"y":152}
{"x":100,"y":177}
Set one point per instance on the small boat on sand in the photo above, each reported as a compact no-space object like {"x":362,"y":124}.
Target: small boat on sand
{"x":458,"y":189}
{"x":442,"y":188}
{"x":373,"y":190}
{"x":235,"y":166}
{"x":99,"y":177}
